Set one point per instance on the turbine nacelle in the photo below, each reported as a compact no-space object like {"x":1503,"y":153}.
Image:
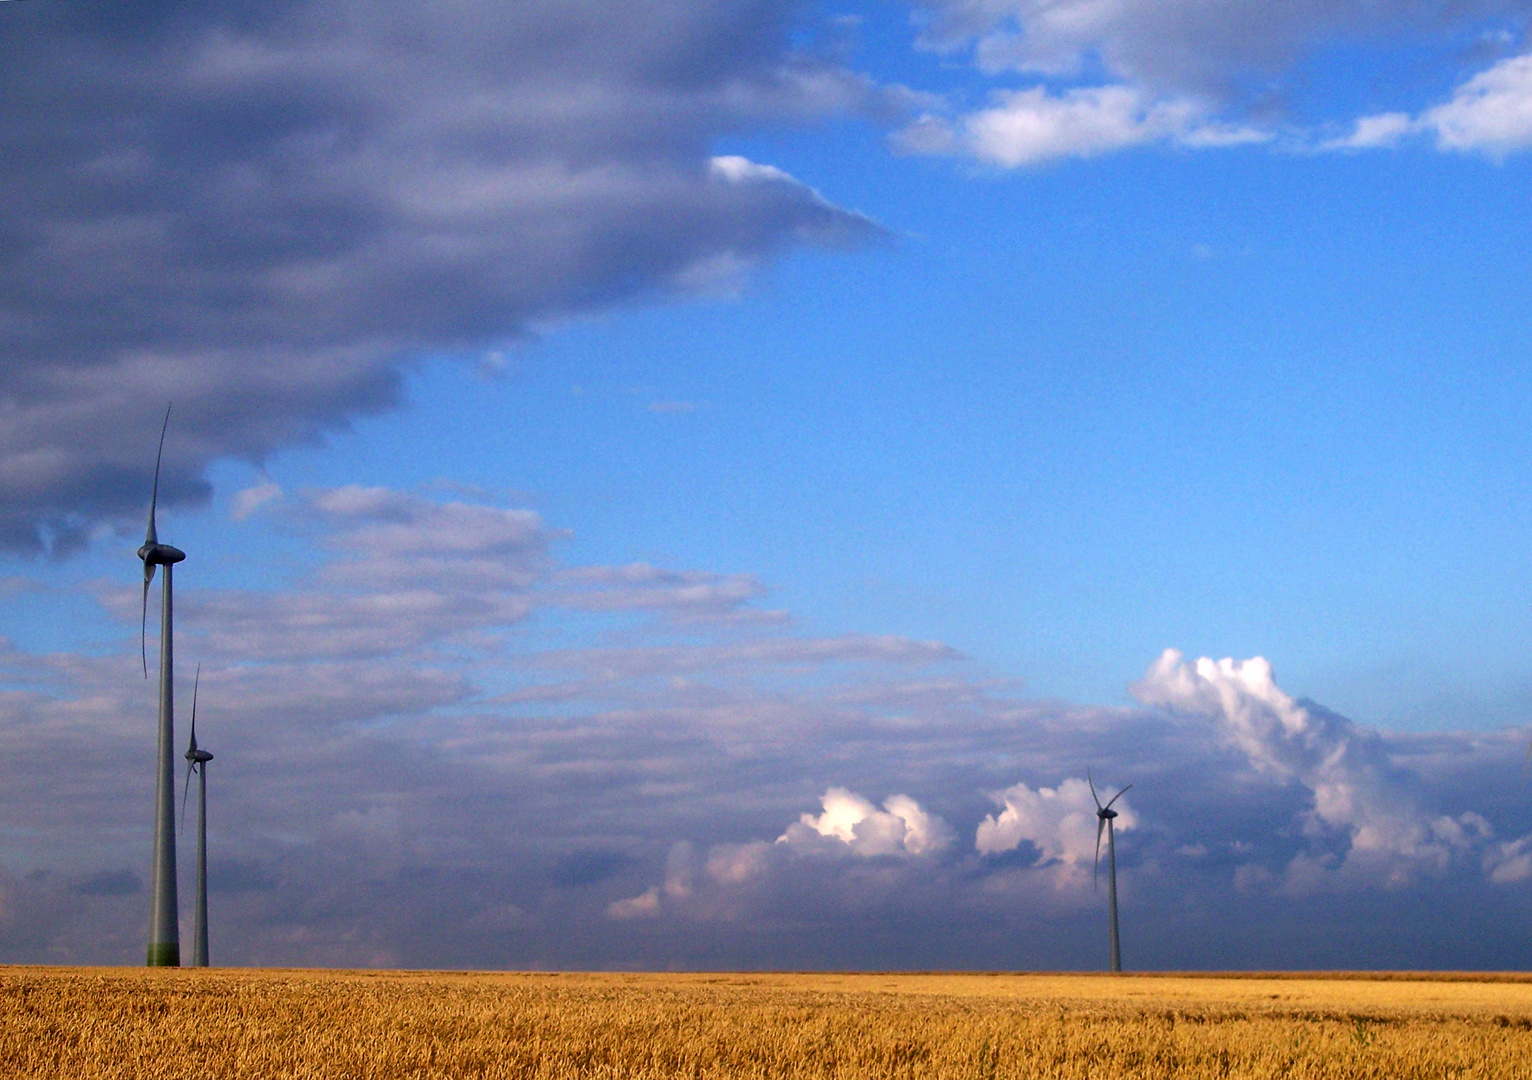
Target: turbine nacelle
{"x":1104,"y":816}
{"x":159,"y":555}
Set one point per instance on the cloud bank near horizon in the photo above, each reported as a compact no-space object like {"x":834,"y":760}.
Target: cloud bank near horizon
{"x":443,"y":746}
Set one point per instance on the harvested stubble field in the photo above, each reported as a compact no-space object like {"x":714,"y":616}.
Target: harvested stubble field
{"x":86,"y":1024}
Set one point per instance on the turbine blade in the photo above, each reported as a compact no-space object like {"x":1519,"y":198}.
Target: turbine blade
{"x":195,"y":683}
{"x":1092,"y":784}
{"x":150,"y":537}
{"x":1117,"y":796}
{"x":1095,"y":873}
{"x":143,"y":622}
{"x":185,"y":791}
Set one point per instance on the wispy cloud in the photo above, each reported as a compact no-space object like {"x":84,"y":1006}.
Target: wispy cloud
{"x":1028,"y":127}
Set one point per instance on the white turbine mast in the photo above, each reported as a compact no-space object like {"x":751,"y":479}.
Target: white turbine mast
{"x":164,"y":928}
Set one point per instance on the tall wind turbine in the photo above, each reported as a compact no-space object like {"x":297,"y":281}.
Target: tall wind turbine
{"x":196,"y":762}
{"x":1104,"y":816}
{"x":164,"y":928}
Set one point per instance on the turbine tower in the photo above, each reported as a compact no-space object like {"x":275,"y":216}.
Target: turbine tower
{"x":164,"y":928}
{"x":1104,"y":816}
{"x":196,"y":762}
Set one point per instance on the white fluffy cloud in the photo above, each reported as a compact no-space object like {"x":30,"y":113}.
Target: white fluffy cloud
{"x":850,"y":822}
{"x":1356,"y":789}
{"x":849,"y":825}
{"x":1059,"y":822}
{"x":1490,"y":113}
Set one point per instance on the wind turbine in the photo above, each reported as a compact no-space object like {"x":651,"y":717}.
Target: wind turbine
{"x":196,"y":762}
{"x":1104,"y":816}
{"x":164,"y":928}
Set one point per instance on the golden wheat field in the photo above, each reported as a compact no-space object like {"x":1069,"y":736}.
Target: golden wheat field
{"x":86,"y":1024}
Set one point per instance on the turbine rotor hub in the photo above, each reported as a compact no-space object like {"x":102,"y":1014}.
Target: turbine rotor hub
{"x":1105,"y":815}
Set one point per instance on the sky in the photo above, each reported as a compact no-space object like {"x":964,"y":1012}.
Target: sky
{"x":704,"y":483}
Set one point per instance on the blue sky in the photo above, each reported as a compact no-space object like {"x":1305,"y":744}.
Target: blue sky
{"x":1254,"y":404}
{"x":807,"y":398}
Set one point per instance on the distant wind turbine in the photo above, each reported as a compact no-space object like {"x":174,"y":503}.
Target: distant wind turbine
{"x":164,"y":928}
{"x":196,"y":762}
{"x":1104,"y":816}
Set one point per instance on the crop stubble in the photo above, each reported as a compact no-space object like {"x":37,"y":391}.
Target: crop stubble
{"x":92,"y":1024}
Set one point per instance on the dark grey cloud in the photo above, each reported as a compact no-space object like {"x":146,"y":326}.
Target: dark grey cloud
{"x":523,"y":788}
{"x":590,"y":867}
{"x":111,"y":883}
{"x":264,"y":213}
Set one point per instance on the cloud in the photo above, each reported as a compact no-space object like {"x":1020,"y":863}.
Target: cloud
{"x":29,"y":906}
{"x":735,"y":864}
{"x":648,"y":904}
{"x":401,"y":539}
{"x":1204,"y":47}
{"x":525,"y":771}
{"x":852,"y":823}
{"x":638,"y":661}
{"x":1490,"y":114}
{"x":410,"y":573}
{"x":1028,"y":127}
{"x":110,"y":883}
{"x":849,"y":826}
{"x":1510,"y":863}
{"x":1202,"y":73}
{"x":590,"y":867}
{"x":267,"y":217}
{"x":690,"y":596}
{"x":1356,"y":788}
{"x":1372,"y":132}
{"x":248,"y":500}
{"x":1059,"y":822}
